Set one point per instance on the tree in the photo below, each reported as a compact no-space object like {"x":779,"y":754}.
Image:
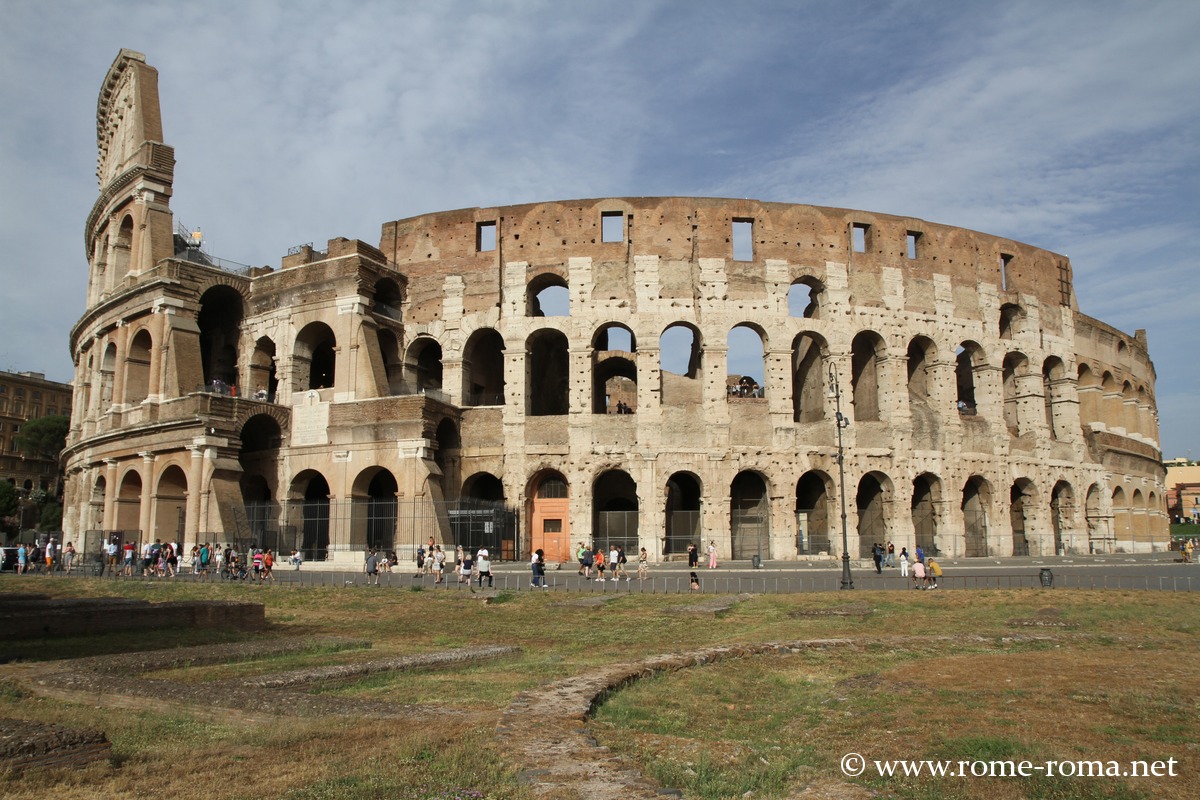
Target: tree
{"x":44,"y":437}
{"x":10,"y":504}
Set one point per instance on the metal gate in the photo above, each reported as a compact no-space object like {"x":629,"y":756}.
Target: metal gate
{"x":1019,"y":540}
{"x":682,"y":527}
{"x":617,"y":528}
{"x":925,"y":527}
{"x":975,"y":532}
{"x":750,"y":529}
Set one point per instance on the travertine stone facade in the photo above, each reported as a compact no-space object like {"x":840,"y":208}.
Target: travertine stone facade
{"x":573,"y":361}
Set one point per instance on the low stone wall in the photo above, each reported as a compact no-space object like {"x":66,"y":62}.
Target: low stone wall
{"x":25,"y":745}
{"x":31,"y":617}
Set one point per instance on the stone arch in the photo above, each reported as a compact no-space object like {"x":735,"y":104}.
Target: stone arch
{"x":373,"y":508}
{"x":1139,"y":521}
{"x":749,"y":516}
{"x":815,"y":513}
{"x":388,"y":298}
{"x":684,"y":518}
{"x":614,"y":370}
{"x":550,"y":514}
{"x":922,"y":355}
{"x":448,"y":456}
{"x":548,"y":295}
{"x":1129,"y":410}
{"x":1122,"y":519}
{"x":129,"y":505}
{"x":393,"y":364}
{"x":976,"y":499}
{"x":746,"y":345}
{"x":1022,"y":500}
{"x":222,"y":309}
{"x":866,"y":352}
{"x":1094,"y":512}
{"x":681,"y":350}
{"x":1062,"y":514}
{"x":1053,"y":374}
{"x":310,"y":491}
{"x":874,"y":492}
{"x":926,"y":499}
{"x":1016,"y":367}
{"x":615,"y":504}
{"x":137,"y":366}
{"x":1111,"y":404}
{"x":808,"y":377}
{"x":969,"y":360}
{"x":423,"y":365}
{"x":314,"y":357}
{"x":483,"y":368}
{"x":170,"y":504}
{"x":804,"y":298}
{"x":95,"y":514}
{"x":108,"y":369}
{"x":122,"y":247}
{"x":483,"y":486}
{"x":1011,"y":318}
{"x":263,"y":378}
{"x":547,"y":374}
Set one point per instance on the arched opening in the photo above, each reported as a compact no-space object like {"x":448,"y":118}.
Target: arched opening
{"x":480,"y":518}
{"x":1053,"y":373}
{"x":314,"y":357}
{"x":804,"y":298}
{"x":423,"y":366}
{"x":976,"y":496}
{"x":968,"y":360}
{"x":108,"y":369}
{"x":1020,"y":507}
{"x":1129,"y":413}
{"x":683,"y":522}
{"x":1090,"y":396}
{"x":129,"y":506}
{"x":373,"y":510}
{"x":1122,"y":521}
{"x":746,"y":362}
{"x":137,"y":367}
{"x":749,"y":517}
{"x":680,"y":353}
{"x":388,"y":299}
{"x":311,"y":490}
{"x":170,"y":505}
{"x":866,"y":352}
{"x":1015,"y":368}
{"x":1011,"y":316}
{"x":548,"y":296}
{"x":1140,"y":522}
{"x":264,"y":382}
{"x":95,"y":513}
{"x":872,"y":517}
{"x":1062,"y":514}
{"x":122,"y":248}
{"x":808,"y":378}
{"x":814,"y":517}
{"x":483,"y":369}
{"x":220,"y":319}
{"x":550,"y":515}
{"x":615,"y":500}
{"x":614,"y":371}
{"x":447,"y":455}
{"x":922,"y":354}
{"x":393,"y":366}
{"x":1095,"y":523}
{"x":547,"y":383}
{"x":926,"y":494}
{"x":261,"y":439}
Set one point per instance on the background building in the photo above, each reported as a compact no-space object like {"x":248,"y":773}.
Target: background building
{"x":25,"y":396}
{"x":461,"y":381}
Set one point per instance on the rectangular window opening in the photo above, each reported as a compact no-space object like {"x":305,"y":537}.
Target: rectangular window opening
{"x":552,"y":526}
{"x":485,"y":236}
{"x":612,"y":226}
{"x":858,"y":237}
{"x":1005,"y":260}
{"x":912,"y":243}
{"x":743,"y":240}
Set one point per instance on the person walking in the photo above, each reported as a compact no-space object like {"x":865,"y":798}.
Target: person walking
{"x":483,"y":562}
{"x":68,"y":558}
{"x":712,"y":555}
{"x":439,"y":563}
{"x":371,"y":568}
{"x":693,"y":556}
{"x":619,"y":568}
{"x":890,"y":559}
{"x":643,"y":565}
{"x":903,"y":562}
{"x":877,"y":557}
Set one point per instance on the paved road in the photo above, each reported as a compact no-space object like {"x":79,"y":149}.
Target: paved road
{"x":1156,"y":571}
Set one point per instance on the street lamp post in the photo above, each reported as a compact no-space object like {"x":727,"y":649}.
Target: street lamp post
{"x":842,"y":423}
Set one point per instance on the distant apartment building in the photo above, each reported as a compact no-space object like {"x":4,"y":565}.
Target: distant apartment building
{"x":25,"y":396}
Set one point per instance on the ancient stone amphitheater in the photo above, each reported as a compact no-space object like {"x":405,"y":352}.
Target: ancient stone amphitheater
{"x":638,"y":371}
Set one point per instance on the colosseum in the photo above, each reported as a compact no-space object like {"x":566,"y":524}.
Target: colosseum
{"x":641,"y":371}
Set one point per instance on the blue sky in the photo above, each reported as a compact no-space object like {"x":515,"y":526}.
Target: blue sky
{"x":1073,"y":126}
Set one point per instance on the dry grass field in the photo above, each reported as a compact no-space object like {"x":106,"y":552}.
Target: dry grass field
{"x":974,"y":676}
